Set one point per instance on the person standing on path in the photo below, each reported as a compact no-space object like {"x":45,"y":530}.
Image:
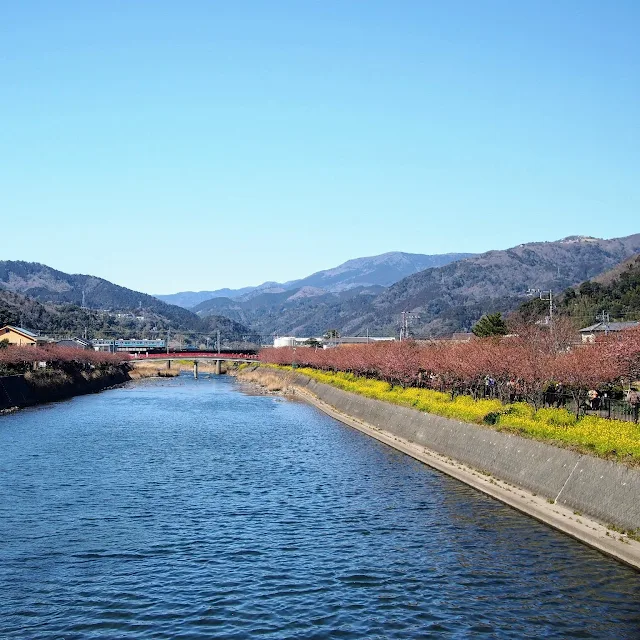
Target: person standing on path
{"x":633,"y":398}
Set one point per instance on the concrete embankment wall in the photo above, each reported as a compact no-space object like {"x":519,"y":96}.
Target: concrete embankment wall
{"x":19,"y":391}
{"x":606,"y":491}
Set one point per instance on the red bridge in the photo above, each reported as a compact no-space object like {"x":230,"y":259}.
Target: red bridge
{"x":197,"y":355}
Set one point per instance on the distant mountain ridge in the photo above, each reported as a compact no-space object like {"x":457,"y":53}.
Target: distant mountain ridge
{"x":454,"y":297}
{"x":381,"y":270}
{"x":443,"y":300}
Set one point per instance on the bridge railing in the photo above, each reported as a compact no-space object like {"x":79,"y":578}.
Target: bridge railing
{"x":190,"y":355}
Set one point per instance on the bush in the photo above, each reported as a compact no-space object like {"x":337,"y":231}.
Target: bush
{"x":556,"y":417}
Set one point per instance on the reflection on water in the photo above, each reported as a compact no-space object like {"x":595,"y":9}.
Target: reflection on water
{"x":188,"y":509}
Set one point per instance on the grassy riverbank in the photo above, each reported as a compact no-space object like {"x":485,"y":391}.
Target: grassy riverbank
{"x":611,"y":439}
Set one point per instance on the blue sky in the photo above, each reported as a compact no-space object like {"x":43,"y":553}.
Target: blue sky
{"x":170,"y":146}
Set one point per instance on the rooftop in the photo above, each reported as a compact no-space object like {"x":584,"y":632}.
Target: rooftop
{"x":609,"y":326}
{"x":26,"y":332}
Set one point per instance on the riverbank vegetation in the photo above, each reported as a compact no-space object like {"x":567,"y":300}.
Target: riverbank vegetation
{"x":35,"y":375}
{"x":17,"y":360}
{"x":612,"y":439}
{"x":502,"y":382}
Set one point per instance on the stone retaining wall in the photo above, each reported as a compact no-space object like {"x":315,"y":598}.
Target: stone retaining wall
{"x":606,"y":491}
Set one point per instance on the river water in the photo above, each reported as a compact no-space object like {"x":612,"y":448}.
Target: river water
{"x":191,"y":509}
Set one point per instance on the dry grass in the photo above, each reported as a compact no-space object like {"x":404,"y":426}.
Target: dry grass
{"x":270,"y":381}
{"x":152,"y":370}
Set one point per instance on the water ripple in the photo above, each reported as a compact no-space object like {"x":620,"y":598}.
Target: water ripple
{"x":183,"y":509}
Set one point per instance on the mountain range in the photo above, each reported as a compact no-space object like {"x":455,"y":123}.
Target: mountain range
{"x":365,"y":294}
{"x":614,"y":295}
{"x":441,"y":299}
{"x":39,"y":297}
{"x":373,"y":271}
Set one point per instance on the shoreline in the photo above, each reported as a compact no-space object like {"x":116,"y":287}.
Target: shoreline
{"x":544,"y":508}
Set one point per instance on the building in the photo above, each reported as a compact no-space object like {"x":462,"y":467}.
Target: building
{"x":348,"y":341}
{"x":22,"y":337}
{"x":602,"y":328}
{"x":286,"y":341}
{"x":291,"y":341}
{"x":462,"y":336}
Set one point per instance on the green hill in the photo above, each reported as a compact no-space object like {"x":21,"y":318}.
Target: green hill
{"x":616,"y":292}
{"x":38,"y":297}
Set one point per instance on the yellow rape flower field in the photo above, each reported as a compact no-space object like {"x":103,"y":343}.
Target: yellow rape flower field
{"x":612,"y":439}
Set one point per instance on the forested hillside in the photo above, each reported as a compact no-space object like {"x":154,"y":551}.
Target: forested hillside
{"x":616,"y":293}
{"x":44,"y":284}
{"x":68,"y":319}
{"x":43,"y":299}
{"x":441,"y":300}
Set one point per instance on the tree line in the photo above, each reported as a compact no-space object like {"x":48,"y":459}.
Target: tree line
{"x":16,"y":359}
{"x":517,"y":367}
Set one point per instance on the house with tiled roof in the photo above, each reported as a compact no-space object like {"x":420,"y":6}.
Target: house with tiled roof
{"x":602,"y":328}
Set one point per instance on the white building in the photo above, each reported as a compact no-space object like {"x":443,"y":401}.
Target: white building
{"x":290,"y":341}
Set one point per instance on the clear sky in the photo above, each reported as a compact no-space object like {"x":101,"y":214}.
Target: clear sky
{"x":193,"y":145}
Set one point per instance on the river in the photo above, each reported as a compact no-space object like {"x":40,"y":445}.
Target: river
{"x":192,"y":509}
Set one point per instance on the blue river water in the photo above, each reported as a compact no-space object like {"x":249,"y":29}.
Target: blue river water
{"x":196,"y":509}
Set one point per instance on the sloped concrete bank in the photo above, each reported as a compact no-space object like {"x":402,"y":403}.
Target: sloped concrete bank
{"x":23,"y":391}
{"x":581,"y":495}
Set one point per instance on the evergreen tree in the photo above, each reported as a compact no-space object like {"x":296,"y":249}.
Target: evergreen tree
{"x":491,"y":324}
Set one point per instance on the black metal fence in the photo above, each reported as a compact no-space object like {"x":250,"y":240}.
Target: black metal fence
{"x":613,"y":406}
{"x":601,"y":406}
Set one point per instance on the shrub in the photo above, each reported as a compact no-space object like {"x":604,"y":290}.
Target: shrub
{"x":556,"y":417}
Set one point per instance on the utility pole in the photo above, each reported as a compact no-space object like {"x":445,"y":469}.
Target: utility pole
{"x":218,"y":332}
{"x":168,"y":332}
{"x":605,"y":319}
{"x":545,"y":296}
{"x":84,"y":306}
{"x":550,"y":301}
{"x":404,"y":330}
